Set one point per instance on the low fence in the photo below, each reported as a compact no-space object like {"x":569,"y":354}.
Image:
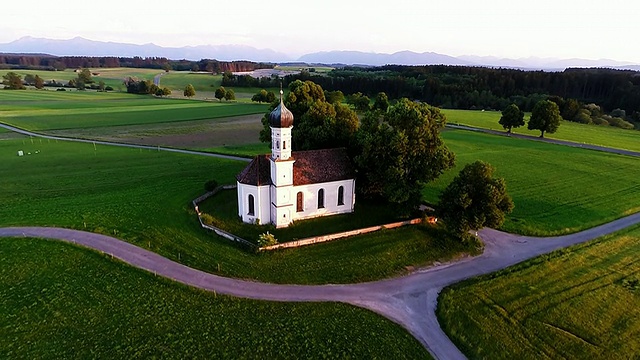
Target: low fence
{"x":295,"y":243}
{"x":218,"y":231}
{"x":330,"y":237}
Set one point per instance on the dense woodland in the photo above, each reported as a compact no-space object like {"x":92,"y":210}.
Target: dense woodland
{"x":48,"y":62}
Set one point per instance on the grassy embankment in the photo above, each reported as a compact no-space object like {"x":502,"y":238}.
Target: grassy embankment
{"x":577,"y":303}
{"x":61,"y":301}
{"x":580,"y":133}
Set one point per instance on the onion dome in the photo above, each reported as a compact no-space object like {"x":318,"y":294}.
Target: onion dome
{"x":281,"y":117}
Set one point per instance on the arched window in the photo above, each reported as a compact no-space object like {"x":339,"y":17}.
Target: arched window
{"x":284,"y":145}
{"x":252,"y":206}
{"x":277,"y":145}
{"x":341,"y":195}
{"x":320,"y":198}
{"x":300,"y":202}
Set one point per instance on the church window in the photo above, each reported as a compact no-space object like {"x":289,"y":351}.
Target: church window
{"x":300,"y":202}
{"x":252,"y":207}
{"x":320,"y":198}
{"x":284,"y":145}
{"x":341,"y":195}
{"x":277,"y":145}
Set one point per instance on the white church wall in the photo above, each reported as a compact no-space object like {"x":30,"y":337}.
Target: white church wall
{"x":261,"y":202}
{"x":331,"y":207}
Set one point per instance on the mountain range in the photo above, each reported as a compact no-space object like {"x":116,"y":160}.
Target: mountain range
{"x":83,"y":47}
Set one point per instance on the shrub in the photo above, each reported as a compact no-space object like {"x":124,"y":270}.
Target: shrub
{"x":619,"y":122}
{"x":267,"y":239}
{"x":600,"y":121}
{"x":210,"y":185}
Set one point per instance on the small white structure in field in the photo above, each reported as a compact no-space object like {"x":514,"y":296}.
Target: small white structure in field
{"x":286,"y":186}
{"x":20,"y":153}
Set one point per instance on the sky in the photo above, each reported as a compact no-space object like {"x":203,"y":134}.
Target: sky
{"x":542,"y":28}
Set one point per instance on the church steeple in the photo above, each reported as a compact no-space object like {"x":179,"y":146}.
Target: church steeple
{"x":281,"y":123}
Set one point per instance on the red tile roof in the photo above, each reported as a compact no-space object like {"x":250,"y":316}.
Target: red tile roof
{"x":310,"y":167}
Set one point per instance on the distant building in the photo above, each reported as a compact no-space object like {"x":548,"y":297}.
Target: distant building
{"x":287,"y":186}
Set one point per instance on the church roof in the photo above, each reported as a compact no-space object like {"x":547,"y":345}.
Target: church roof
{"x":310,"y":167}
{"x":281,"y":117}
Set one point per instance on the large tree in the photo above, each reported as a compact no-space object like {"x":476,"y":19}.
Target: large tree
{"x":229,"y":95}
{"x":220,"y":92}
{"x":512,"y":117}
{"x":189,"y":91}
{"x":38,"y":82}
{"x":12,"y":81}
{"x":474,"y":199}
{"x":400,"y":151}
{"x":84,"y":76}
{"x":545,"y":117}
{"x":381,"y":102}
{"x":318,"y":124}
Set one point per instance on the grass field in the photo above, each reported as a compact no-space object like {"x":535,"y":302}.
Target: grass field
{"x":144,"y":197}
{"x":50,"y":110}
{"x":247,"y":150}
{"x":577,"y":303}
{"x":113,"y":77}
{"x":61,"y":301}
{"x":581,"y":133}
{"x":556,"y":189}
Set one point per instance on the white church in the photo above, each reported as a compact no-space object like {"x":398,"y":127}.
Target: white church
{"x":287,"y":186}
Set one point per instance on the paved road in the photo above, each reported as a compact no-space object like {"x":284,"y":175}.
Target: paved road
{"x":550,"y":141}
{"x":409,"y":300}
{"x":110,"y":143}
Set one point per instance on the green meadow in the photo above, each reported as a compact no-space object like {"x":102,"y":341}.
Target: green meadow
{"x":113,"y":77}
{"x":556,"y":189}
{"x":62,"y":301}
{"x":51,"y":110}
{"x":580,"y":133}
{"x":144,"y":197}
{"x":577,"y":303}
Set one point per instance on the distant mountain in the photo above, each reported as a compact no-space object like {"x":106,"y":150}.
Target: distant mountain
{"x":378,"y":59}
{"x":83,"y":47}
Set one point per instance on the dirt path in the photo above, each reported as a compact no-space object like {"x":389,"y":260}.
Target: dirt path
{"x":410,"y":300}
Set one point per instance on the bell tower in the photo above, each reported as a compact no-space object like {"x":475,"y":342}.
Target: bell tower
{"x":281,"y":123}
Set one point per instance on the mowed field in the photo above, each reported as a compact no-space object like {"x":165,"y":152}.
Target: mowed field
{"x":144,"y":197}
{"x":51,"y":110}
{"x":61,"y":301}
{"x":607,"y":136}
{"x":556,"y":189}
{"x":577,"y":303}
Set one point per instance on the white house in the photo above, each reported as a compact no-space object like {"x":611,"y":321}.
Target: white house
{"x":287,"y":186}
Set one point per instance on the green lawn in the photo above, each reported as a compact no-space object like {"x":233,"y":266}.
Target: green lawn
{"x":248,"y":150}
{"x":581,"y":133}
{"x":144,"y":198}
{"x":61,"y":301}
{"x":51,"y":110}
{"x":578,"y":303}
{"x":201,"y":81}
{"x":556,"y":189}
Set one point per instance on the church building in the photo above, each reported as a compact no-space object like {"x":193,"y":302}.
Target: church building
{"x":293,"y":185}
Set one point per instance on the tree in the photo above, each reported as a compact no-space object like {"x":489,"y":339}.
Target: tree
{"x":474,"y":199}
{"x":38,"y":82}
{"x":189,"y":91}
{"x":101,"y":85}
{"x":12,"y":81}
{"x":84,"y":76}
{"x":381,"y":102}
{"x":29,"y":79}
{"x":400,"y":151}
{"x":230,"y":95}
{"x":545,"y":117}
{"x":260,"y":97}
{"x":334,"y":97}
{"x":359,"y":101}
{"x":220,"y":92}
{"x":511,"y":117}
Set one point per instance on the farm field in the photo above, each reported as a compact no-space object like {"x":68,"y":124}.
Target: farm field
{"x":556,"y":189}
{"x":111,"y":76}
{"x":62,"y":301}
{"x":577,"y":303}
{"x":51,"y":110}
{"x":580,"y":133}
{"x":143,"y":197}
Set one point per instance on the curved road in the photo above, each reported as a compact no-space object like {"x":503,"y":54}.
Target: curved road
{"x":410,"y":300}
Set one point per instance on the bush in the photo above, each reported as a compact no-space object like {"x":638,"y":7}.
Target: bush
{"x":583,"y":117}
{"x":210,"y":185}
{"x":619,"y":122}
{"x":600,"y":121}
{"x":267,"y":239}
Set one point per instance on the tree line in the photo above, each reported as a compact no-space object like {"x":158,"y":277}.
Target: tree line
{"x":49,"y":62}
